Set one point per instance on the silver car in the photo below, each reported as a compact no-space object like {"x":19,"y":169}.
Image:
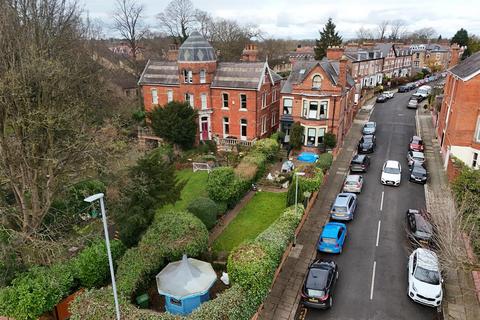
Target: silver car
{"x":412,"y":104}
{"x":416,"y":156}
{"x":353,"y":183}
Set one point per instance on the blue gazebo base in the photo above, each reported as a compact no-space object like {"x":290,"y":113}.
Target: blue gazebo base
{"x":186,"y":305}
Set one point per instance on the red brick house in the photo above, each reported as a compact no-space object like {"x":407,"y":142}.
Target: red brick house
{"x":458,"y":126}
{"x":319,"y":95}
{"x":236,"y":101}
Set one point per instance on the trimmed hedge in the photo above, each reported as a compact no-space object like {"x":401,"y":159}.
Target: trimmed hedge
{"x":91,"y":266}
{"x":206,"y":210}
{"x":171,"y":234}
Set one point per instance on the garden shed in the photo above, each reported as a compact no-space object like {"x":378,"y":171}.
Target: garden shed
{"x":185,"y":284}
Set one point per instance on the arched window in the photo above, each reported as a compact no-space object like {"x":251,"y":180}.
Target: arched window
{"x":316,"y":82}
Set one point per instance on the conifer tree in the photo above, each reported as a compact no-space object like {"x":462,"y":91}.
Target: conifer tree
{"x":328,"y":37}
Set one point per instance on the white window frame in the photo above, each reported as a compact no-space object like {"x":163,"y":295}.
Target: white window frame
{"x":190,"y":99}
{"x":318,"y":133}
{"x":264,"y":99}
{"x":283,"y":105}
{"x":225,"y":123}
{"x":477,"y":132}
{"x":264,"y":125}
{"x":274,"y":95}
{"x":241,"y":103}
{"x":154,"y":93}
{"x":203,"y":76}
{"x":203,"y":99}
{"x":244,"y":125}
{"x":274,"y":120}
{"x":169,"y":96}
{"x":306,"y":112}
{"x":317,"y":76}
{"x":225,"y":100}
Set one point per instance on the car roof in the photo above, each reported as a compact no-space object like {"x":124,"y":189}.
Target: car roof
{"x":353,"y":177}
{"x":330,"y":230}
{"x":418,"y":154}
{"x":370,"y":122}
{"x":342,"y":199}
{"x":392,"y":164}
{"x":427,"y":259}
{"x":416,"y":166}
{"x":359,"y":157}
{"x":317,"y":277}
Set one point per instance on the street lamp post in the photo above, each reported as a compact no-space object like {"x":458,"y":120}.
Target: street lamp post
{"x":297,"y":174}
{"x":95,"y":197}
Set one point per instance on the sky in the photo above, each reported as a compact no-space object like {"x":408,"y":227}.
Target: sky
{"x":301,"y":19}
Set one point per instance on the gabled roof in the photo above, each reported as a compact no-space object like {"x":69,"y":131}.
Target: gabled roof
{"x":160,"y":72}
{"x":384,"y":47}
{"x":467,"y":68}
{"x":246,"y":75}
{"x":301,"y":69}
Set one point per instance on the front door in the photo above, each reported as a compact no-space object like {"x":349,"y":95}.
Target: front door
{"x":243,"y":129}
{"x":204,"y":127}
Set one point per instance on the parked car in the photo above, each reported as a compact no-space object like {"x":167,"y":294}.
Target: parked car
{"x":381,"y":98}
{"x":412,"y":103}
{"x":391,"y":173}
{"x":419,"y":228}
{"x":359,"y":163}
{"x":418,"y":173}
{"x":344,"y":206}
{"x":366,"y":144}
{"x":416,"y":156}
{"x":353,"y":183}
{"x":422,"y":93}
{"x":389,"y":94}
{"x":411,"y":86}
{"x":369,"y":128}
{"x":424,"y":278}
{"x":319,"y":284}
{"x":403,"y":88}
{"x":416,"y":144}
{"x":332,"y":237}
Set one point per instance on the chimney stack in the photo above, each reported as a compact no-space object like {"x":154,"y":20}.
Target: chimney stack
{"x":334,"y":52}
{"x":454,"y":55}
{"x":172,"y":53}
{"x":342,"y":72}
{"x":250,"y":53}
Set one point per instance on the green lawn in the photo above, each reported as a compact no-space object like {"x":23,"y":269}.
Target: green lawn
{"x":196,"y":186}
{"x":256,"y":216}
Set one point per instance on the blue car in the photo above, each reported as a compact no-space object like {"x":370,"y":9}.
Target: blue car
{"x":332,"y":237}
{"x":344,"y":206}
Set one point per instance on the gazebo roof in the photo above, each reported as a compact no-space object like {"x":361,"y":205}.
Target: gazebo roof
{"x":184,"y":278}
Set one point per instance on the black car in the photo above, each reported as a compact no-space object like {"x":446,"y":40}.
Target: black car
{"x":367,"y":144}
{"x":359,"y":163}
{"x":319,"y":283}
{"x":382,"y":98}
{"x":411,"y":86}
{"x":403,"y":88}
{"x":418,"y":173}
{"x":419,"y":228}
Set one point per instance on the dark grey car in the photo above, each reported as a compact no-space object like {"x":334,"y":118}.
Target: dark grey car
{"x":419,"y":228}
{"x":359,"y":163}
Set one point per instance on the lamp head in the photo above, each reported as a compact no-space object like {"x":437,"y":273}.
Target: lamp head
{"x":94,"y":197}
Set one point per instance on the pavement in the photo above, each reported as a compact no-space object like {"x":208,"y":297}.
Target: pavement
{"x":373,"y":274}
{"x":460,"y":300}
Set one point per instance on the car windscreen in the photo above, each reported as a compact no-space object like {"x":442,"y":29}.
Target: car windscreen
{"x":316,"y":282}
{"x":329,"y":240}
{"x":391,"y":170}
{"x":427,"y":276}
{"x":418,"y":170}
{"x":369,"y":125}
{"x":351,"y":183}
{"x":339,"y":209}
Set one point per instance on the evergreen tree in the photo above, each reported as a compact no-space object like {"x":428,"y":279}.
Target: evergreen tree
{"x":176,"y":123}
{"x":328,"y":37}
{"x":461,"y":38}
{"x":296,"y":135}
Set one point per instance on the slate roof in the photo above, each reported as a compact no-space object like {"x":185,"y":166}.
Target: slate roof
{"x":362,"y":54}
{"x":383,"y":47}
{"x":196,"y":49}
{"x":302,"y":68}
{"x":160,"y":72}
{"x":467,"y":67}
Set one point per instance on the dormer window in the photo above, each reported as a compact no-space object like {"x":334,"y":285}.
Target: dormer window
{"x":316,"y":82}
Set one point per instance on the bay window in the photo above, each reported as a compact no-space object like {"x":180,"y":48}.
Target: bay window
{"x":313,"y":109}
{"x":314,"y":136}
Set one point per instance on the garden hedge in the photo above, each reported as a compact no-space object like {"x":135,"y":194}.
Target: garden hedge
{"x":171,"y":234}
{"x":325,"y":161}
{"x":206,"y":210}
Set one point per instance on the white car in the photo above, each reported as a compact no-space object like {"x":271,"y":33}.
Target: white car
{"x":389,"y":94}
{"x":424,"y":278}
{"x":391,"y":173}
{"x":353,"y":183}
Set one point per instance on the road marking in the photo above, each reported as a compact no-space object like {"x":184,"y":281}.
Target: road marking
{"x":373,"y":279}
{"x":378,"y":232}
{"x":381,"y":201}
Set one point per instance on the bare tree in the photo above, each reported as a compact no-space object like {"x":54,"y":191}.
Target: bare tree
{"x":128,"y":21}
{"x":364,"y":34}
{"x":178,"y":19}
{"x":382,"y":29}
{"x":423,"y":34}
{"x":204,"y":22}
{"x":397,"y":27}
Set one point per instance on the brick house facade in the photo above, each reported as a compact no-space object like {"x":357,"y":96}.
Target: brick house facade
{"x":458,"y":125}
{"x":319,"y":95}
{"x":238,"y":101}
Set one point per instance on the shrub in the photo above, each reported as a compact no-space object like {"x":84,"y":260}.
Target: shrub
{"x":206,"y":210}
{"x":91,"y":266}
{"x":171,"y":234}
{"x":222,"y":185}
{"x":252,"y":166}
{"x":296,"y":135}
{"x":278,"y":136}
{"x":36,"y":292}
{"x":325,"y":161}
{"x":313,"y":183}
{"x":269,"y":147}
{"x":292,"y":189}
{"x":330,"y":140}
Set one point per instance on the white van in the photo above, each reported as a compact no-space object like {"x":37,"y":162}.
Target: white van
{"x":423,"y":92}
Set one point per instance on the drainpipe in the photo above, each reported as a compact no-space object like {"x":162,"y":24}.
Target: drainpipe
{"x":334,"y":108}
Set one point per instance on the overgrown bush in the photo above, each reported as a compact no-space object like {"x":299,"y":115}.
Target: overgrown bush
{"x":296,"y":135}
{"x":91,"y":267}
{"x":206,"y":210}
{"x":330,"y":140}
{"x":292,"y":190}
{"x":269,"y":147}
{"x":171,"y":234}
{"x":325,"y":161}
{"x":222,"y":185}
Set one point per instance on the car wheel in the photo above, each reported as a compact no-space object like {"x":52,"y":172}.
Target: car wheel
{"x":336,"y":276}
{"x":330,"y":302}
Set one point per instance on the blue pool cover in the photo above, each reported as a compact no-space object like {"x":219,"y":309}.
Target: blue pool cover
{"x":309,"y":157}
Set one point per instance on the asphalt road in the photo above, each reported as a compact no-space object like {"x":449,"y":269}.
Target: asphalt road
{"x":373,"y":265}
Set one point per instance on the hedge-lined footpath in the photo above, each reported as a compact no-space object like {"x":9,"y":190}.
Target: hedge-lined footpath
{"x":41,"y":288}
{"x":251,"y":267}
